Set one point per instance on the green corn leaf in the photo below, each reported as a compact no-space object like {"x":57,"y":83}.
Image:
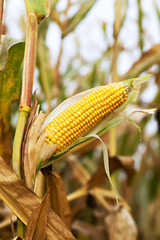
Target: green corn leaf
{"x":106,"y":164}
{"x":40,"y":7}
{"x":5,"y":45}
{"x":12,"y":56}
{"x":79,"y":16}
{"x":10,"y":80}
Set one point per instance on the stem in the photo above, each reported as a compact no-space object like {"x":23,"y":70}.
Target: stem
{"x":25,"y":101}
{"x":65,"y":13}
{"x":116,"y":49}
{"x":39,"y":188}
{"x":20,"y":228}
{"x":21,"y":124}
{"x":113,"y":140}
{"x":26,"y":94}
{"x":58,"y":75}
{"x":140,"y":15}
{"x":1,"y":14}
{"x":29,"y":59}
{"x":44,"y":73}
{"x":57,"y":72}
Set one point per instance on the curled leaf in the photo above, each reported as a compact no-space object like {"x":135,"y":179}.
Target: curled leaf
{"x":106,"y":164}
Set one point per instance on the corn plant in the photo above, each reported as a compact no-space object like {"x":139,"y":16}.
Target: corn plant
{"x":53,"y":152}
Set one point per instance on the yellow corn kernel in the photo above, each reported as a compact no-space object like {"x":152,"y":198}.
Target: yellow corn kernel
{"x":83,"y":115}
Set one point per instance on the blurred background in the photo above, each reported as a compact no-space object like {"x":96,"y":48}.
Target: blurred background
{"x":83,"y":44}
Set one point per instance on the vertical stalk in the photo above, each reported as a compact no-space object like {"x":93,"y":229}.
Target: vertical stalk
{"x":20,"y":228}
{"x":25,"y":101}
{"x":58,"y":75}
{"x":116,"y":49}
{"x":1,"y":14}
{"x":29,"y":59}
{"x":43,"y":72}
{"x":113,"y":141}
{"x":140,"y":16}
{"x":26,"y":94}
{"x":120,"y":13}
{"x":39,"y":187}
{"x":57,"y":72}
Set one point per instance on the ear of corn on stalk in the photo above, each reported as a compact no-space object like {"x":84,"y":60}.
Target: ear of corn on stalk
{"x":86,"y":115}
{"x":83,"y":115}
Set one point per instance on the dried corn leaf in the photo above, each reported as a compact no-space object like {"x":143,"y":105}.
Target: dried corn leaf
{"x":101,"y":195}
{"x":120,"y":14}
{"x":34,"y":149}
{"x":25,"y":155}
{"x":124,"y":227}
{"x":5,"y":142}
{"x":80,"y":193}
{"x":78,"y":171}
{"x":22,"y":201}
{"x":58,"y":199}
{"x":7,"y":221}
{"x":152,"y":56}
{"x":36,"y":227}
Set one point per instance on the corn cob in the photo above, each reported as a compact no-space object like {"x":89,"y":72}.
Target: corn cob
{"x":83,"y":115}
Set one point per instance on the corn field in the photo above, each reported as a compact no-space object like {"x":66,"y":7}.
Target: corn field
{"x":80,"y":120}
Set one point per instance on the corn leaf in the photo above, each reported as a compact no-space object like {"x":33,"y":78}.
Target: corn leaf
{"x":40,"y":7}
{"x":152,"y":56}
{"x":58,"y":199}
{"x":120,"y":14}
{"x":6,"y":44}
{"x":140,"y":26}
{"x":22,"y":201}
{"x":12,"y":56}
{"x":53,"y":3}
{"x":45,"y":77}
{"x":36,"y":227}
{"x":106,"y":164}
{"x":124,"y":226}
{"x":79,"y":16}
